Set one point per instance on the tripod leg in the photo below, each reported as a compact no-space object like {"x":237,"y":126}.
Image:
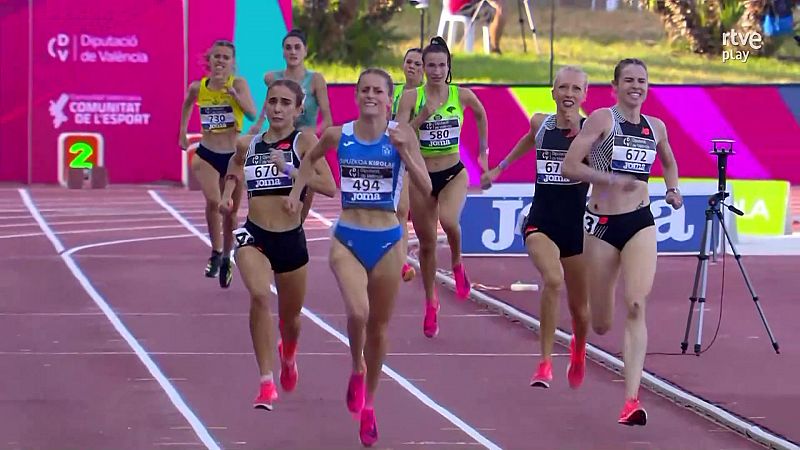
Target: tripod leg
{"x":749,"y":284}
{"x":700,"y":285}
{"x":521,"y":27}
{"x":531,"y":24}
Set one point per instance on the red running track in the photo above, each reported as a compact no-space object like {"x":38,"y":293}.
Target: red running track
{"x":72,"y":380}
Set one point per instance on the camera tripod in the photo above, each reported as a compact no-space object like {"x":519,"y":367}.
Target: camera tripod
{"x":722,"y":148}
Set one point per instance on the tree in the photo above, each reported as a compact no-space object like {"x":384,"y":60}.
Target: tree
{"x":701,"y":22}
{"x":349,"y":31}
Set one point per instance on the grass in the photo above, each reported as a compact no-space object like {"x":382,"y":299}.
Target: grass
{"x":595,"y":40}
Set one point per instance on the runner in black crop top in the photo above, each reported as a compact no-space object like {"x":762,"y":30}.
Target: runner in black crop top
{"x":272,"y":241}
{"x":264,"y":177}
{"x":552,"y":231}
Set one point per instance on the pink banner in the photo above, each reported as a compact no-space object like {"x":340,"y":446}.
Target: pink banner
{"x":111,"y":68}
{"x":209,"y":21}
{"x":14,"y":91}
{"x":766,"y":132}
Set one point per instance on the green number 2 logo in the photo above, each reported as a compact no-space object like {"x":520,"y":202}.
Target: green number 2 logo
{"x":83,"y":151}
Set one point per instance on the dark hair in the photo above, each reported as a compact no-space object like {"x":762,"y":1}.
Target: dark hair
{"x":295,"y":32}
{"x":626,"y":62}
{"x":382,"y":73}
{"x":438,"y":45}
{"x":292,"y":86}
{"x":412,"y":50}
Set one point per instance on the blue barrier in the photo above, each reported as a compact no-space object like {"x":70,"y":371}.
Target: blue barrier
{"x":490,"y":222}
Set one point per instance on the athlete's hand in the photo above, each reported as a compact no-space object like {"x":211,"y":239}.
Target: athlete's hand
{"x":226,"y":205}
{"x":254,"y":129}
{"x":428,"y":109}
{"x":276,"y":157}
{"x":399,"y":139}
{"x":233,"y":93}
{"x":487,"y":178}
{"x":183,"y":141}
{"x":675,"y":199}
{"x":292,"y":205}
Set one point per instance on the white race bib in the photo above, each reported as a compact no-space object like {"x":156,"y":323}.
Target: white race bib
{"x":367,"y":179}
{"x":217,"y":117}
{"x":548,"y":167}
{"x":261,"y":174}
{"x":440,"y":133}
{"x":380,"y":185}
{"x":633,"y":154}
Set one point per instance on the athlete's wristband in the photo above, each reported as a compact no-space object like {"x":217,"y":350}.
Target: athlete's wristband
{"x":675,"y":190}
{"x":288,"y":170}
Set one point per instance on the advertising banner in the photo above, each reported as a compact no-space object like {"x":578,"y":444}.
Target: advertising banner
{"x":491,"y":221}
{"x":113,"y":70}
{"x":765,"y":204}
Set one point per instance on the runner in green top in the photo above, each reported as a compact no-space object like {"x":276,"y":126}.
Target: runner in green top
{"x":412,"y":67}
{"x":436,"y":110}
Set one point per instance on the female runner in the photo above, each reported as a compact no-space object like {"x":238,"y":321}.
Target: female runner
{"x":315,"y":93}
{"x":223,"y":99}
{"x":437,"y":111}
{"x":553,"y":232}
{"x":622,"y":145}
{"x":271,"y":238}
{"x":412,"y":67}
{"x":373,"y":154}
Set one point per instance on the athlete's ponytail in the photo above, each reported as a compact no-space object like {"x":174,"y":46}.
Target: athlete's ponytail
{"x":439,"y":45}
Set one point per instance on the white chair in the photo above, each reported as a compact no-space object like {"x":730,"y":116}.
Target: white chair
{"x":448,"y":22}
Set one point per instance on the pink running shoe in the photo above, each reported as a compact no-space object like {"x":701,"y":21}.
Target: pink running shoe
{"x":289,"y":373}
{"x":633,"y":413}
{"x":543,"y":375}
{"x":408,"y":272}
{"x":356,"y":392}
{"x":576,"y":369}
{"x":430,"y":326}
{"x":462,"y":281}
{"x":368,"y":431}
{"x":266,"y":394}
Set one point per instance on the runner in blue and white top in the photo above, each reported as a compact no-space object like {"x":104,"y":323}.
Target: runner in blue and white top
{"x":373,"y":153}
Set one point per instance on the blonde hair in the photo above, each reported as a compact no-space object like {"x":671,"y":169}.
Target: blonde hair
{"x":575,"y":69}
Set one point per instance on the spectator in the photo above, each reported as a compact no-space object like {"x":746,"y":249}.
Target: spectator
{"x":491,"y":13}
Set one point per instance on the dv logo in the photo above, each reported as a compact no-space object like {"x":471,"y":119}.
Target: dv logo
{"x":58,"y":47}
